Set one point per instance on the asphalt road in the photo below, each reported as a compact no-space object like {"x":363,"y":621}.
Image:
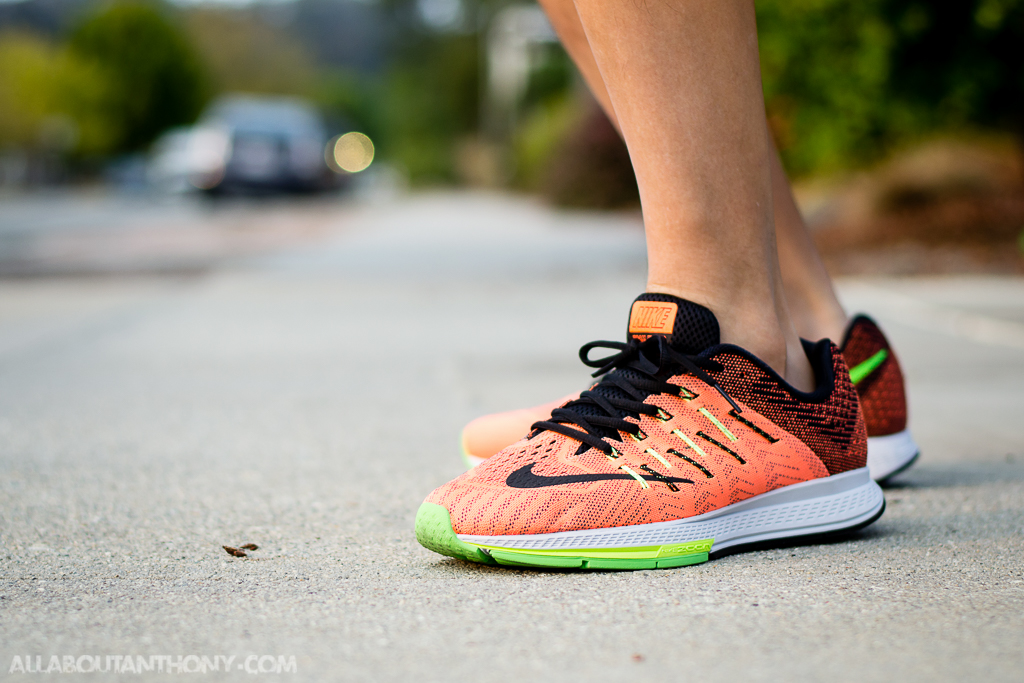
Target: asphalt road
{"x":307,"y":399}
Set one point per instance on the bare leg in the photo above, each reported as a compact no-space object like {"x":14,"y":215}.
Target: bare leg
{"x":685,"y":85}
{"x":814,"y":308}
{"x":813,"y":305}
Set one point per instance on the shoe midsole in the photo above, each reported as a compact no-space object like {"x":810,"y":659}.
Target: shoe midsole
{"x":833,"y":503}
{"x":889,"y":453}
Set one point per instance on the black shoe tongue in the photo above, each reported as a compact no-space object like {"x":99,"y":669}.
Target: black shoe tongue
{"x":688,"y":327}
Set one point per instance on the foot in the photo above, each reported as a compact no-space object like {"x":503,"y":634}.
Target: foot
{"x":684,"y":448}
{"x":875,"y":372}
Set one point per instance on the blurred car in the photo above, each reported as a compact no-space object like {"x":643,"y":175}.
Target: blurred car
{"x":245,"y":142}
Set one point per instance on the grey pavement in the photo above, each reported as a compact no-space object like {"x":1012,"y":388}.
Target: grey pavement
{"x":307,"y":399}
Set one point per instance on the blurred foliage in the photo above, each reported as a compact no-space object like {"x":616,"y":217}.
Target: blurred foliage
{"x":846,"y":82}
{"x":245,"y":54}
{"x":429,"y":99}
{"x":963,"y":61}
{"x":551,"y":77}
{"x":123,"y":76}
{"x":540,"y":137}
{"x":590,"y":167}
{"x":156,"y":78}
{"x":51,"y":99}
{"x":349,"y":100}
{"x":550,"y":109}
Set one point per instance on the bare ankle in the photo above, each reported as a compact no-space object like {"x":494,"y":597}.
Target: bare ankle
{"x":827,"y":322}
{"x":764,"y":336}
{"x":799,"y":372}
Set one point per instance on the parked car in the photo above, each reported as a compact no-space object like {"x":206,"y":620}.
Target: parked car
{"x":246,"y":142}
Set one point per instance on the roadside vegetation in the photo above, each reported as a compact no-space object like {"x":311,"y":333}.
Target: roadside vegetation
{"x":846,"y":83}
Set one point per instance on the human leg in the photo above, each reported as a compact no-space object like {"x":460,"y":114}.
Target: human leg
{"x":685,"y":446}
{"x":685,"y":85}
{"x":814,"y":308}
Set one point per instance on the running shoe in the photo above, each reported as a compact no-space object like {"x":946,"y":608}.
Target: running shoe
{"x":684,"y":449}
{"x":876,"y":373}
{"x":873,"y":367}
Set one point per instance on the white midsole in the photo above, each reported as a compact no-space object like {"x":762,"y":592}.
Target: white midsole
{"x":831,"y":503}
{"x":890,"y":453}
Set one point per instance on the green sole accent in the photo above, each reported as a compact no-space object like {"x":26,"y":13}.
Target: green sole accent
{"x":434,"y":532}
{"x":643,"y":557}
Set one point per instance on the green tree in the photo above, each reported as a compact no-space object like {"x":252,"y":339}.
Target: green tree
{"x":846,"y":81}
{"x":245,"y":54}
{"x":961,"y":61}
{"x":826,"y":67}
{"x":46,"y":89}
{"x":428,"y":99}
{"x":157,"y":80}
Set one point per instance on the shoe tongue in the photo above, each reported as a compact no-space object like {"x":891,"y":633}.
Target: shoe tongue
{"x":689,"y":328}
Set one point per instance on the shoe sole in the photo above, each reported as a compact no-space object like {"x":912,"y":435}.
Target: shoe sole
{"x":891,"y":454}
{"x":832,"y":505}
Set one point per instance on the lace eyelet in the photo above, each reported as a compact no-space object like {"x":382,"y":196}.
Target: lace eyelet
{"x":663,"y":415}
{"x":639,"y":436}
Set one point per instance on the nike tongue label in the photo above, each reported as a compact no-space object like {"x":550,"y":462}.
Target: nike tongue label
{"x":652,"y":317}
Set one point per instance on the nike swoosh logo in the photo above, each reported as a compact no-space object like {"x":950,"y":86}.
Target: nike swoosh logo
{"x":861,"y":370}
{"x":524,"y":478}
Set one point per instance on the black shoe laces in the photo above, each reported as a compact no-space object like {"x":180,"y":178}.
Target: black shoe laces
{"x":637,"y":371}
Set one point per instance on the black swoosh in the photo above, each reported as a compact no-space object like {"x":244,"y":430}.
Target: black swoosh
{"x":524,"y":478}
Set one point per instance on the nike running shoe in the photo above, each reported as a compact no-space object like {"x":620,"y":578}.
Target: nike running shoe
{"x":684,"y":449}
{"x":873,"y":368}
{"x":876,"y":373}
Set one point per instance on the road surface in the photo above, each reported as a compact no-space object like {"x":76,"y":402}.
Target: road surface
{"x":307,"y":395}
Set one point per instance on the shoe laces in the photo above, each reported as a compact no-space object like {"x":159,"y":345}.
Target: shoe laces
{"x":638,"y":371}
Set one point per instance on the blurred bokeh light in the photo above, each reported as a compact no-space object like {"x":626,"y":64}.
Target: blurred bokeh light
{"x":351,"y":152}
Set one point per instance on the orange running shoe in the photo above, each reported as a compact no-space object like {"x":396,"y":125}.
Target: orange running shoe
{"x":873,"y":368}
{"x":684,"y":449}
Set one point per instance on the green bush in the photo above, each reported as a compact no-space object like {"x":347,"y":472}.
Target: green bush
{"x":429,"y":99}
{"x":156,"y":78}
{"x":42,"y":86}
{"x":242,"y":53}
{"x":846,"y":81}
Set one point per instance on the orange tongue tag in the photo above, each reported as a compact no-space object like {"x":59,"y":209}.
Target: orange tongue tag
{"x":652,"y":317}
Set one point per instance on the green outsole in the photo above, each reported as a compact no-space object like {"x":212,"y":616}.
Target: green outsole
{"x":434,"y":532}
